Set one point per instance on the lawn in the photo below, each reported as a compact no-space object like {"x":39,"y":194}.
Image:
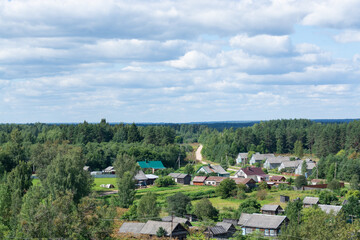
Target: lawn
{"x":99,"y":181}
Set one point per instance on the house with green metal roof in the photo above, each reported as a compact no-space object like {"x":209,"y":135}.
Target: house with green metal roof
{"x":154,"y":165}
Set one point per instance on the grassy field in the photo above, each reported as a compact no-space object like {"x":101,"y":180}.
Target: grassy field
{"x":99,"y":181}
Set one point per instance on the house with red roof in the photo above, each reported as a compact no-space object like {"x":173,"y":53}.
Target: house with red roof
{"x":255,"y":173}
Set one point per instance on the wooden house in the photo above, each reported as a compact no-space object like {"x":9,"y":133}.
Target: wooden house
{"x":217,"y":169}
{"x":252,"y":172}
{"x":150,"y":228}
{"x":222,"y":230}
{"x":214,"y":181}
{"x":269,"y":225}
{"x":259,"y":158}
{"x":242,"y":158}
{"x":271,"y":209}
{"x":248,"y":182}
{"x":199,"y":180}
{"x":181,"y":178}
{"x":310,"y":201}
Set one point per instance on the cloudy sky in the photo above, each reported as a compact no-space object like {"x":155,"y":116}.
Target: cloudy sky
{"x":178,"y":61}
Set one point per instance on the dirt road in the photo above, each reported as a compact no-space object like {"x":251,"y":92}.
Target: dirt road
{"x":198,"y":155}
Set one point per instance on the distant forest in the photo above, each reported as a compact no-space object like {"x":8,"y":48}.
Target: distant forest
{"x":101,"y":143}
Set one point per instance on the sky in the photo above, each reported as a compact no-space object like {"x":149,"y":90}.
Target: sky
{"x":66,"y":61}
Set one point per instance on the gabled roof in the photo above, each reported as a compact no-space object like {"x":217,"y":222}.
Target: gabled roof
{"x":151,"y":227}
{"x":225,"y":225}
{"x":176,"y":220}
{"x":140,"y":176}
{"x":250,"y":171}
{"x":330,"y":208}
{"x":311,"y":200}
{"x":229,"y":220}
{"x":278,"y":159}
{"x":110,"y":168}
{"x":243,"y":180}
{"x":217,"y":230}
{"x":269,"y":207}
{"x":151,"y":164}
{"x":243,"y":155}
{"x":258,"y":156}
{"x":276,"y":178}
{"x":291,"y":164}
{"x":199,"y":179}
{"x":131,"y":227}
{"x":244,"y":218}
{"x":264,"y":221}
{"x":215,"y":178}
{"x":178,"y":175}
{"x":213,"y":169}
{"x":151,"y":176}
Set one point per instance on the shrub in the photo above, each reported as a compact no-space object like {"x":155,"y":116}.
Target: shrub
{"x":261,"y":195}
{"x":164,"y":181}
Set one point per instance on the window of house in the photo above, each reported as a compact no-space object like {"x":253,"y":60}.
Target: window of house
{"x":272,"y":232}
{"x":266,"y":232}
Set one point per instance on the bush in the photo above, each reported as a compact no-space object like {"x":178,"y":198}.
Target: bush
{"x":334,"y":185}
{"x":261,"y":195}
{"x":226,"y":188}
{"x":300,"y":181}
{"x":205,"y":210}
{"x":241,"y":194}
{"x":164,"y":181}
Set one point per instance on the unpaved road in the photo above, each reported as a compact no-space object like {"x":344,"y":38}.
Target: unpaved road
{"x":198,"y":155}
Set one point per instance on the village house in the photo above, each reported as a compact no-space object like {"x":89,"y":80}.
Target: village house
{"x":310,"y":165}
{"x":317,"y":181}
{"x":330,"y":208}
{"x":248,"y":182}
{"x":217,"y":169}
{"x":176,"y":220}
{"x":242,"y":158}
{"x":259,"y":158}
{"x":252,"y":172}
{"x":222,"y":230}
{"x":278,"y":179}
{"x":140,"y":178}
{"x":109,"y":170}
{"x":181,"y":178}
{"x":153,"y":165}
{"x":151,"y":179}
{"x":275,"y":162}
{"x":176,"y":230}
{"x":269,"y":225}
{"x":214,"y":181}
{"x":289,"y":166}
{"x":310,"y":201}
{"x":87,"y":168}
{"x":272,"y":209}
{"x":199,"y":180}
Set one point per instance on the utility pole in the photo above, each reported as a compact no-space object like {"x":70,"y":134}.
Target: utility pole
{"x":171,"y":225}
{"x":335,"y":170}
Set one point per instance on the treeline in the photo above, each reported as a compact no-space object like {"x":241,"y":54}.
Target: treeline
{"x":99,"y":143}
{"x":279,"y":136}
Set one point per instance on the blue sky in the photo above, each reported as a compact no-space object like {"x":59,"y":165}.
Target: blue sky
{"x":178,"y":61}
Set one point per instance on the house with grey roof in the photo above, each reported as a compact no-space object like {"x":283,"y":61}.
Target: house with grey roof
{"x":217,"y":169}
{"x":271,"y":209}
{"x":259,"y":158}
{"x":181,"y":178}
{"x":151,"y":179}
{"x":109,"y":170}
{"x":289,"y":166}
{"x":310,"y":165}
{"x":275,"y":162}
{"x":174,"y":229}
{"x":140,"y":178}
{"x":330,"y":208}
{"x":222,"y":230}
{"x":177,"y":220}
{"x":242,"y":158}
{"x":310,"y":201}
{"x":269,"y":225}
{"x":133,"y":228}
